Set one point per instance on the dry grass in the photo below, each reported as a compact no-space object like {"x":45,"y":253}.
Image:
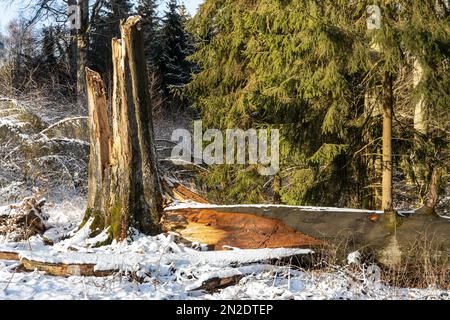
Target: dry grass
{"x":424,"y":264}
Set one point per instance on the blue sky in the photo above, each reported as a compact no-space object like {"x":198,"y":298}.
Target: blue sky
{"x":9,"y":12}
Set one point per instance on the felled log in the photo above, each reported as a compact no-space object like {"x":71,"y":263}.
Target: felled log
{"x":354,"y":228}
{"x":56,"y":269}
{"x":183,"y":194}
{"x":216,"y":283}
{"x":90,"y":264}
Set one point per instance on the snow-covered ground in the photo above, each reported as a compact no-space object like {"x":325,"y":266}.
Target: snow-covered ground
{"x":278,"y":283}
{"x":160,"y":268}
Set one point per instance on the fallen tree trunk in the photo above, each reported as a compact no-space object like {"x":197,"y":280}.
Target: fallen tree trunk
{"x":354,"y":228}
{"x":219,"y":230}
{"x":214,"y":284}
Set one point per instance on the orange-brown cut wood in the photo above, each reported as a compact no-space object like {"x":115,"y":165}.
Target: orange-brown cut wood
{"x":245,"y":231}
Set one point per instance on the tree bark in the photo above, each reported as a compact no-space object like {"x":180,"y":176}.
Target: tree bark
{"x":124,"y":186}
{"x":388,"y":102}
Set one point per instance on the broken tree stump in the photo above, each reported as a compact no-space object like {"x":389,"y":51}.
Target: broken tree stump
{"x":124,"y":186}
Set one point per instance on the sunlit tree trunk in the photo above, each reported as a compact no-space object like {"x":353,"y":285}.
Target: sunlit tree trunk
{"x":124,"y":186}
{"x":420,"y":118}
{"x":388,"y":102}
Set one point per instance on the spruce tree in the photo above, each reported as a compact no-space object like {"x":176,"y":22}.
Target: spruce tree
{"x":148,"y":10}
{"x":306,"y":67}
{"x":292,"y":66}
{"x":104,"y":27}
{"x":175,"y":48}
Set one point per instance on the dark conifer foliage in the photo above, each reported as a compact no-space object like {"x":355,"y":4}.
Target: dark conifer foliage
{"x":314,"y":70}
{"x":105,"y":26}
{"x":176,"y":46}
{"x":151,"y":23}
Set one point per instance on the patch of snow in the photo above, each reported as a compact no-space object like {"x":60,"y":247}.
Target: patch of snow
{"x":354,"y":258}
{"x":170,"y":270}
{"x":260,"y":282}
{"x":195,"y":205}
{"x":5,"y":210}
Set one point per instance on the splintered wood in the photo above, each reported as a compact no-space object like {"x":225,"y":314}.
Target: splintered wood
{"x":184,"y":194}
{"x":220,"y":230}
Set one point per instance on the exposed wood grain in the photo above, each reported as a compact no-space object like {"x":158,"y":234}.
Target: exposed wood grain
{"x":183,"y":194}
{"x":245,"y":231}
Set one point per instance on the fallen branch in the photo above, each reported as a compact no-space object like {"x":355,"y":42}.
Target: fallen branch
{"x":61,"y":122}
{"x":65,"y":270}
{"x":90,"y":264}
{"x":12,"y":256}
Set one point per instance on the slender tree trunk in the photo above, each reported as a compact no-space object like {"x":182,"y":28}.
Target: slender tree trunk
{"x":388,"y":102}
{"x":73,"y":49}
{"x":124,"y":186}
{"x":429,"y":207}
{"x":433,"y":189}
{"x":82,"y":44}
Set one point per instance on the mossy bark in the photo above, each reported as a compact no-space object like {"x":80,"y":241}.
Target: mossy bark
{"x":124,"y":187}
